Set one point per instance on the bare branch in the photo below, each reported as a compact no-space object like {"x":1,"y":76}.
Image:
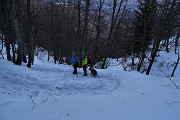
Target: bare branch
{"x":30,"y":96}
{"x":172,"y":81}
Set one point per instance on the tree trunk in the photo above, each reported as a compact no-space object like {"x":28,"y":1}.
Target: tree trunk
{"x":55,"y":56}
{"x":7,"y":44}
{"x":85,"y":25}
{"x":1,"y":42}
{"x":141,"y":61}
{"x":103,"y":66}
{"x":30,"y":35}
{"x":31,"y":52}
{"x":172,"y":75}
{"x":48,"y":55}
{"x":17,"y":28}
{"x":95,"y":47}
{"x":167,"y":45}
{"x":78,"y":42}
{"x":24,"y":54}
{"x":153,"y":56}
{"x":14,"y":54}
{"x":176,"y":41}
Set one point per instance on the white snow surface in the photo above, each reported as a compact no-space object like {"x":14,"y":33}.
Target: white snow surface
{"x":49,"y":91}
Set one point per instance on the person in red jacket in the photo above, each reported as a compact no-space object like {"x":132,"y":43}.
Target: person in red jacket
{"x":90,"y":60}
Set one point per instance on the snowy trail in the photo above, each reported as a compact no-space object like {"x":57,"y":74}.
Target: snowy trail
{"x":56,"y":80}
{"x":59,"y":95}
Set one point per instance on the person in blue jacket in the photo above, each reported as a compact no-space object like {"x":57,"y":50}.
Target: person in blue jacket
{"x":75,"y":61}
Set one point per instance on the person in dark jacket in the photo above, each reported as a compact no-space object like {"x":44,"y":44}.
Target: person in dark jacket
{"x":75,"y":62}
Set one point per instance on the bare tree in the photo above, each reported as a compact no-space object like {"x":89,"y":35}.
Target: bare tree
{"x":177,"y":62}
{"x":95,"y":47}
{"x":143,"y":28}
{"x":161,"y":30}
{"x":14,"y":14}
{"x":30,"y":34}
{"x":84,"y":37}
{"x":114,"y":18}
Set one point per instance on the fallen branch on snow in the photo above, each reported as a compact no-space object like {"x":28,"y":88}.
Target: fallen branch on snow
{"x":30,"y":96}
{"x":44,"y":100}
{"x":172,"y":81}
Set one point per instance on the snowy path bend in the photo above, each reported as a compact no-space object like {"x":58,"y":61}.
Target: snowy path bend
{"x":51,"y":92}
{"x":55,"y":80}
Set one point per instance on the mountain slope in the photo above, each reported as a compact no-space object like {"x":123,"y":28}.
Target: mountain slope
{"x":51,"y":92}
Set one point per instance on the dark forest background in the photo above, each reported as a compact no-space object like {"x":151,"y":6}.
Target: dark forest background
{"x":101,"y":28}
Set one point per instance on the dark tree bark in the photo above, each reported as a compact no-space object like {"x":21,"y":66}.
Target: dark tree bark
{"x":78,"y":42}
{"x":7,"y":27}
{"x":14,"y":9}
{"x":177,"y":62}
{"x":14,"y":54}
{"x":24,"y":54}
{"x":85,"y":28}
{"x":7,"y":44}
{"x":30,"y":35}
{"x":48,"y":55}
{"x":176,"y":41}
{"x":1,"y":43}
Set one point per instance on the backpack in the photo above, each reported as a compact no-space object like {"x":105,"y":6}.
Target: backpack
{"x":77,"y":61}
{"x":89,"y":60}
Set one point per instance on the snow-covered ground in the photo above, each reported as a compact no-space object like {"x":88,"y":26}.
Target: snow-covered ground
{"x":49,"y":91}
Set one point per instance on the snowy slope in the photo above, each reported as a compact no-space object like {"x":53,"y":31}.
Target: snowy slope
{"x":51,"y":92}
{"x":46,"y":78}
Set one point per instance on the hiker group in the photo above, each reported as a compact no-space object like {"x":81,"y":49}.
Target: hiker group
{"x":86,"y":61}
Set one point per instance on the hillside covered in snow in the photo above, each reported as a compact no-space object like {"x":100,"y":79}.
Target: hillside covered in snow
{"x":49,"y":91}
